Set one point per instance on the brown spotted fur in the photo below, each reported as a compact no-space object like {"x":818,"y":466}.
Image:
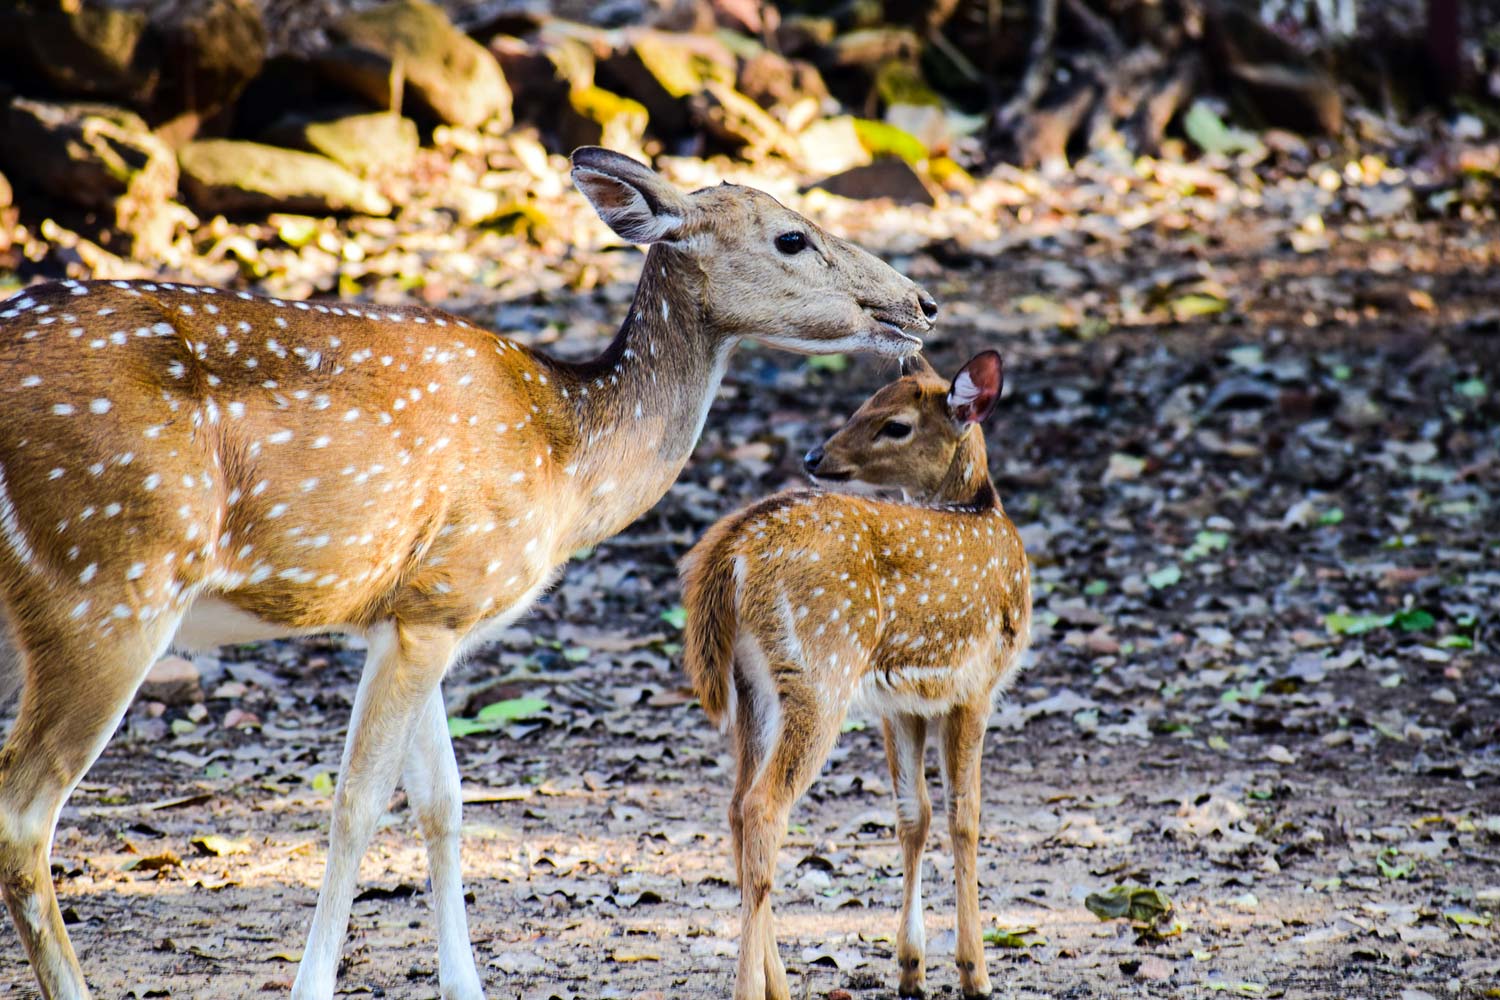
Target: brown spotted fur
{"x":805,"y":600}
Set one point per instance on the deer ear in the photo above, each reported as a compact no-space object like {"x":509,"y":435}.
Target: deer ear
{"x":976,"y":388}
{"x":916,"y":364}
{"x":630,"y":197}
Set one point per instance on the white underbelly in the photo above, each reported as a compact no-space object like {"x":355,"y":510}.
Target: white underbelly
{"x":926,"y":690}
{"x":212,"y":622}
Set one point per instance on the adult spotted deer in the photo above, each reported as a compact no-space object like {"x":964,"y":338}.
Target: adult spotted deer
{"x":184,"y":466}
{"x":805,"y":601}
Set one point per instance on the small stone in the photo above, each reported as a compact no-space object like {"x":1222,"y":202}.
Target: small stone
{"x":887,"y":177}
{"x":237,"y":718}
{"x":1280,"y":755}
{"x":1154,"y":969}
{"x":172,"y":680}
{"x":1444,"y":696}
{"x":229,"y":690}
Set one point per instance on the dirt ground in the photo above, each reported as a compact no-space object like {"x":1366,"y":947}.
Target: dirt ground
{"x":1319,"y":797}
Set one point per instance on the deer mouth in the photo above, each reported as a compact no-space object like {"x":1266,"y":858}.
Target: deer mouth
{"x":894,"y":328}
{"x":829,"y":477}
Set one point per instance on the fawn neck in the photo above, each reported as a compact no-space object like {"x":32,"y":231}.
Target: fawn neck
{"x":638,"y":408}
{"x":967,"y":481}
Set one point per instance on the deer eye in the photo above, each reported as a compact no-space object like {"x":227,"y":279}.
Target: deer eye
{"x":895,"y":430}
{"x":790,"y":243}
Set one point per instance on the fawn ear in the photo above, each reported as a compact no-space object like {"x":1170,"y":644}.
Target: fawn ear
{"x":976,"y":388}
{"x":632,"y":198}
{"x":916,"y":364}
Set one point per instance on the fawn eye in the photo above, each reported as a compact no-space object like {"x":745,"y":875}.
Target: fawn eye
{"x":895,"y":430}
{"x":790,"y":243}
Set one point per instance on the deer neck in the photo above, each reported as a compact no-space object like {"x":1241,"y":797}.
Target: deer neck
{"x":967,"y":480}
{"x":640,"y":406}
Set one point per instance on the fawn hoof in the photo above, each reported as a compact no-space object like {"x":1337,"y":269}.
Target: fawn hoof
{"x":912,"y":978}
{"x":973,"y":981}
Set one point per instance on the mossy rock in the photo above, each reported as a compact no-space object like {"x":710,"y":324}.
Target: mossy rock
{"x":366,"y":144}
{"x":445,"y":75}
{"x":229,"y":177}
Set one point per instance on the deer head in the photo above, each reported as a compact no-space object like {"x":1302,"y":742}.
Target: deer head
{"x":767,"y":273}
{"x":907,"y":436}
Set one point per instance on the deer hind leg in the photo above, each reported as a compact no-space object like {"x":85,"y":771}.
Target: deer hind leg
{"x":905,"y":746}
{"x":77,"y":684}
{"x":432,"y":787}
{"x":804,"y":734}
{"x":963,"y":746}
{"x":401,"y":672}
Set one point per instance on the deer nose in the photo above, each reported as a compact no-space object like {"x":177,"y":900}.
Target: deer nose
{"x":928,"y":304}
{"x":813,"y":459}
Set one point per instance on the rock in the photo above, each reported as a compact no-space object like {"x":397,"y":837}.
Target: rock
{"x":832,"y":145}
{"x":1301,"y":98}
{"x":228,"y":176}
{"x":740,"y":123}
{"x":92,"y":50}
{"x":97,"y":157}
{"x":887,"y":177}
{"x":595,"y":117}
{"x":1279,"y":85}
{"x":872,"y":48}
{"x":443,"y":73}
{"x":209,"y":51}
{"x":375,"y":143}
{"x":553,"y":80}
{"x":172,"y":680}
{"x":175,"y":61}
{"x":662,"y":71}
{"x":770,"y":79}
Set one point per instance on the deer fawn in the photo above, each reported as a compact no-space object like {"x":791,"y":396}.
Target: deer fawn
{"x":806,"y":600}
{"x":187,"y":467}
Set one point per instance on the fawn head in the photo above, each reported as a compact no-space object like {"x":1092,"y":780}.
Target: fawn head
{"x":906,"y":435}
{"x":768,"y":274}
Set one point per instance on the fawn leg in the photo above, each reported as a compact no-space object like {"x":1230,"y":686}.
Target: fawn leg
{"x":432,"y":787}
{"x":752,"y":718}
{"x":963,"y":744}
{"x":905,"y":743}
{"x":76,"y":690}
{"x":401,"y":672}
{"x":804,"y":735}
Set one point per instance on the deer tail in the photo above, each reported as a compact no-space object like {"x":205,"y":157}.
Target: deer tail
{"x":710,"y":597}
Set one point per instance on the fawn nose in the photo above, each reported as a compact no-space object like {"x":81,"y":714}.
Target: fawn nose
{"x":928,"y":304}
{"x":812,"y":459}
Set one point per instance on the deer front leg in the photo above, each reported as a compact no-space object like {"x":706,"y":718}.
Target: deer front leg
{"x":905,"y":743}
{"x":401,"y":671}
{"x":432,"y":788}
{"x":963,"y":744}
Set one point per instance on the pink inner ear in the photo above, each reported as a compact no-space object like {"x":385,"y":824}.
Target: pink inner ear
{"x":975,"y":388}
